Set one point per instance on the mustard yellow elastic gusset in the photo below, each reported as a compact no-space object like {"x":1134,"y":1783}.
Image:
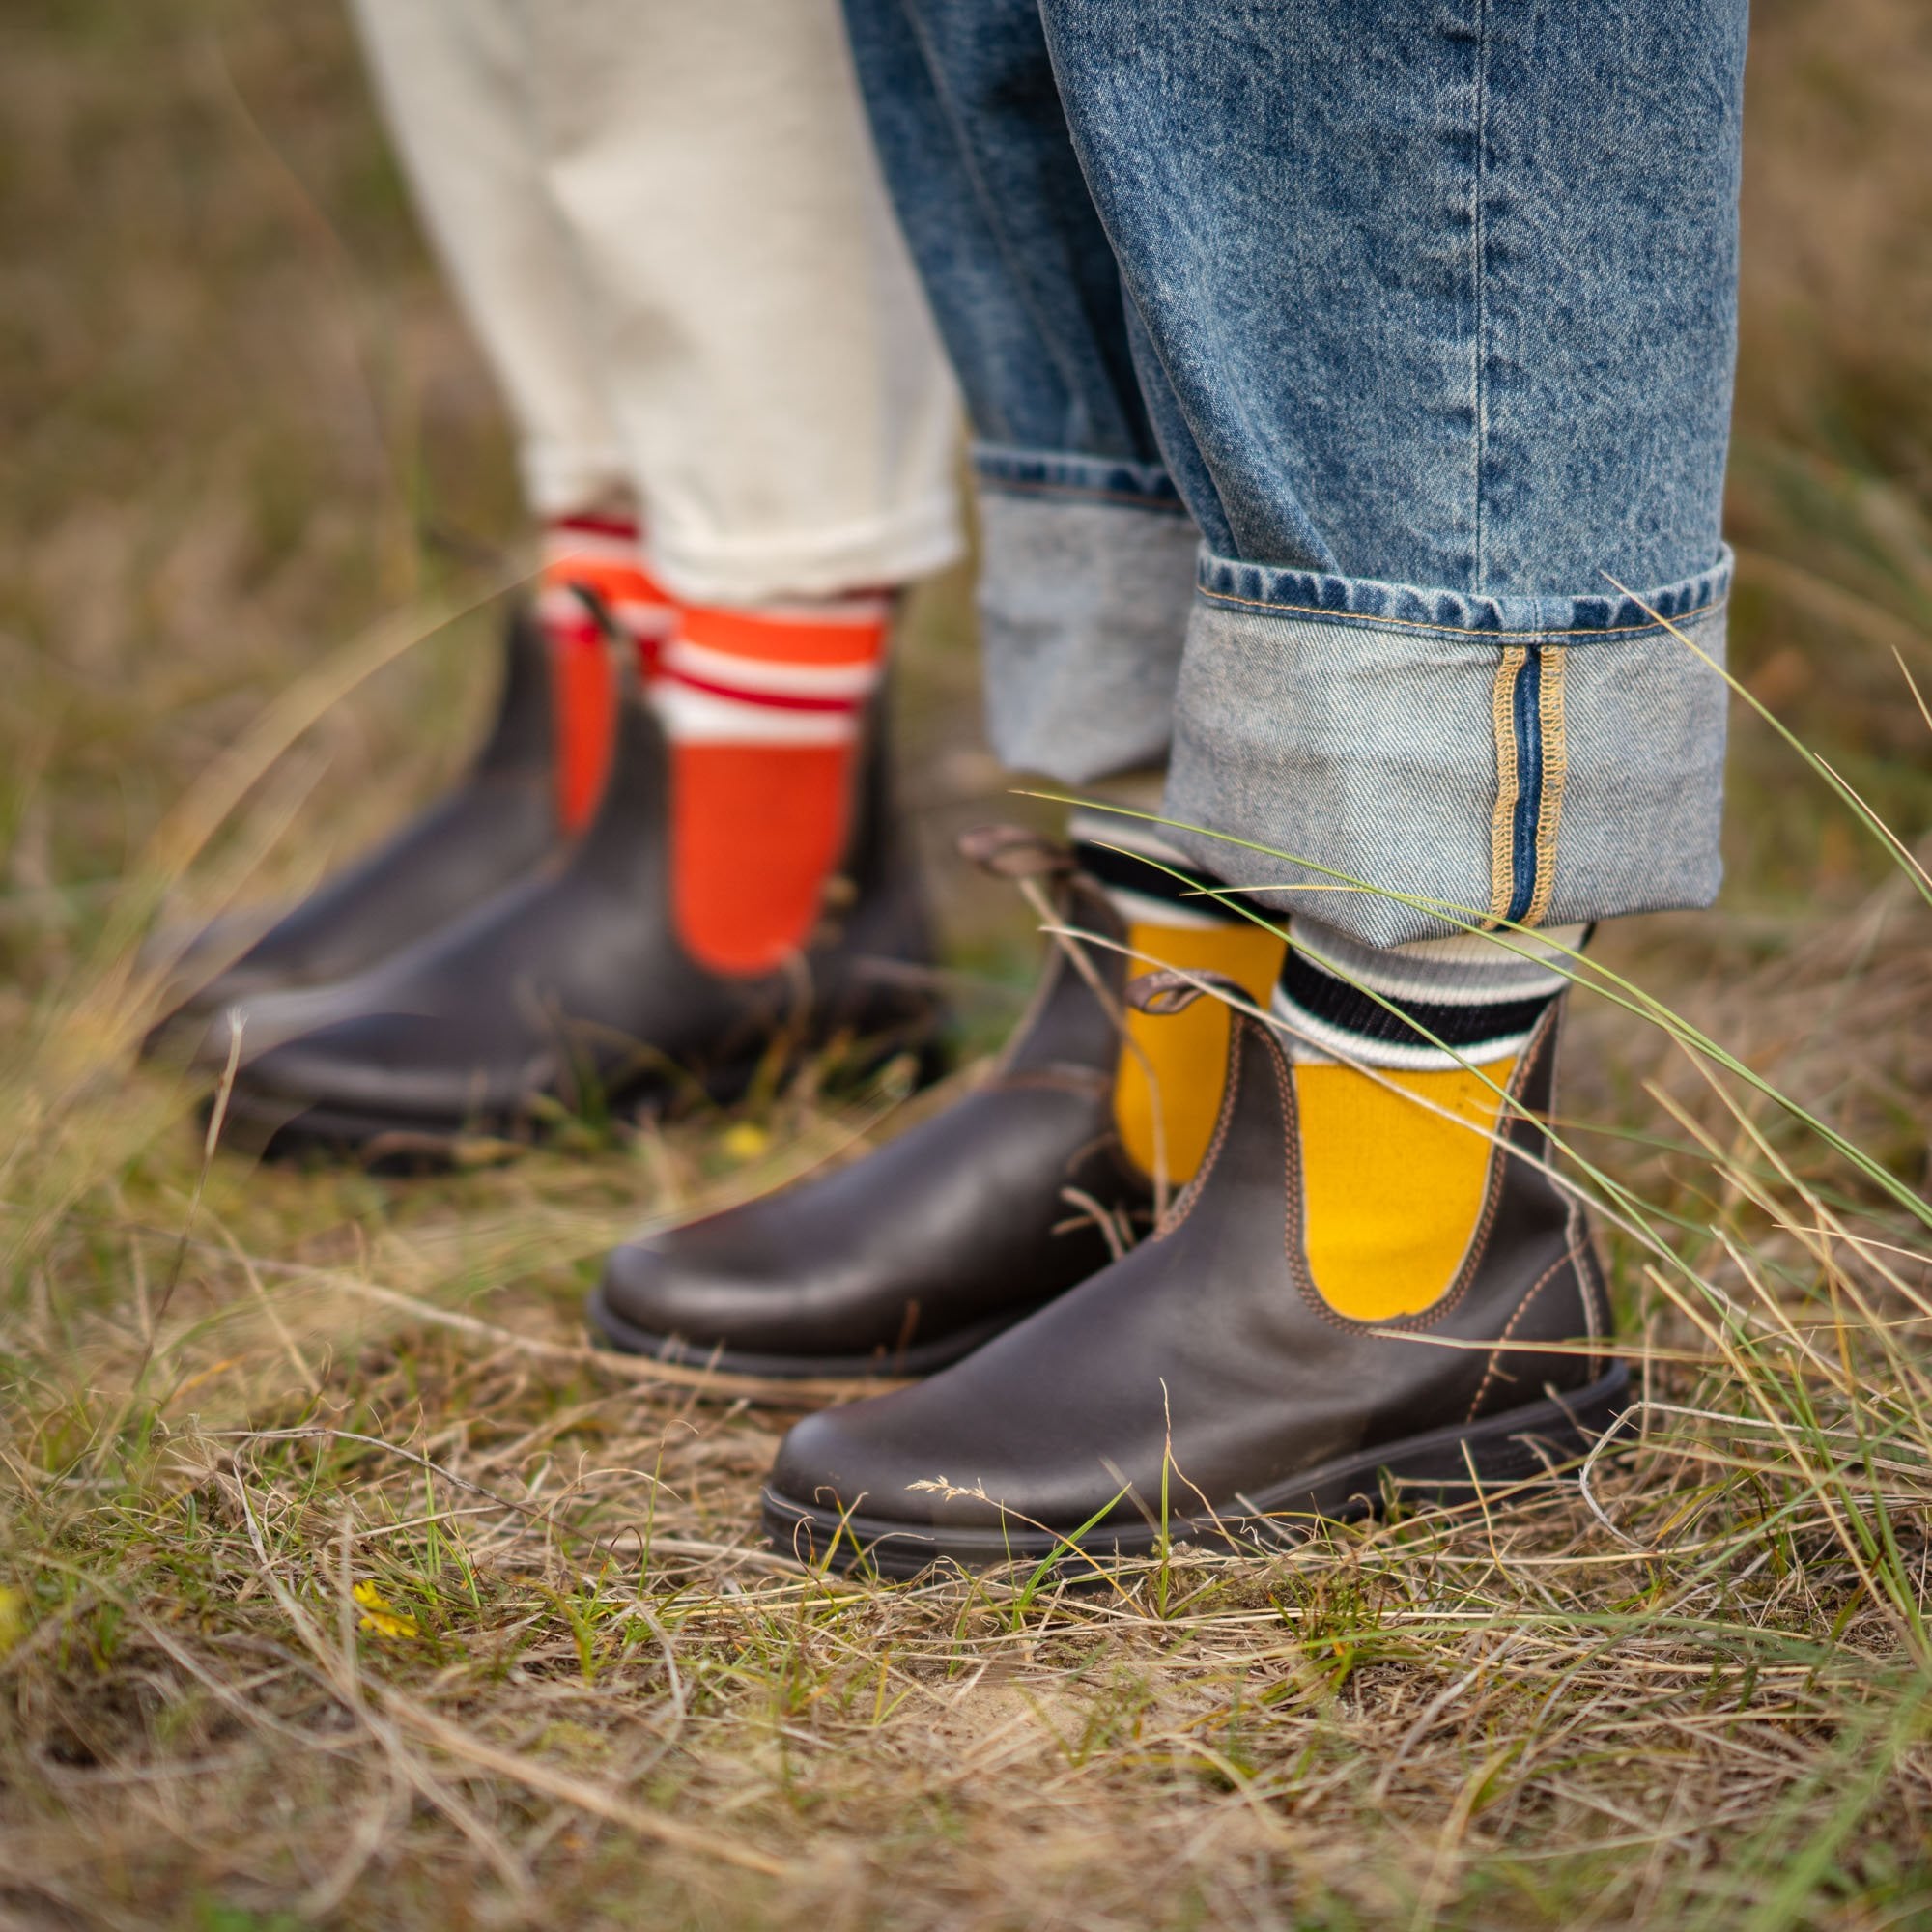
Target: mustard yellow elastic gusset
{"x":1393,"y":1190}
{"x":1187,"y":1051}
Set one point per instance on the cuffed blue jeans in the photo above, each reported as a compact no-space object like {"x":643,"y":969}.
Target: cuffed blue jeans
{"x":1351,"y":383}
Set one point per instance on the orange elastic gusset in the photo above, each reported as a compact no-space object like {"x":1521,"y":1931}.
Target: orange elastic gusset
{"x":756,"y":830}
{"x":586,"y":705}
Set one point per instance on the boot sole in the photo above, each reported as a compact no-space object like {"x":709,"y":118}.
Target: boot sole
{"x":614,"y":1331}
{"x":1538,"y":1440}
{"x":399,"y":1144}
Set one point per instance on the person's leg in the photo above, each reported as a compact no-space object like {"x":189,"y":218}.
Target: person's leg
{"x":783,"y":403}
{"x":454,"y":80}
{"x":1434,"y":315}
{"x":458,"y":83}
{"x":771,"y":367}
{"x":1441,"y":362}
{"x":669,"y":227}
{"x":1088,"y":553}
{"x":1439,"y":343}
{"x":782,"y":414}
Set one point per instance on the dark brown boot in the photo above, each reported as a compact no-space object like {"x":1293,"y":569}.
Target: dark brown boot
{"x":568,"y":992}
{"x":910,"y":1257}
{"x":492,"y":827}
{"x":1202,"y":1390}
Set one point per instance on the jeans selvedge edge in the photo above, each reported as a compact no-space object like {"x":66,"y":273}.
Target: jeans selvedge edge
{"x":1539,"y":776}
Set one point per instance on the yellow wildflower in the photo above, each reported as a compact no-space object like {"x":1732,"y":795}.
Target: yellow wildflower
{"x":746,"y":1141}
{"x":380,"y":1615}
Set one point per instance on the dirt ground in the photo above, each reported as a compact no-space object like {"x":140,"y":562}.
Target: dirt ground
{"x":342,"y":1584}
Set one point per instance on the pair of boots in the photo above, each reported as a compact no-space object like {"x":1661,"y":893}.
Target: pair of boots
{"x":1104,"y":1378}
{"x":490,"y":968}
{"x":1107,"y":1370}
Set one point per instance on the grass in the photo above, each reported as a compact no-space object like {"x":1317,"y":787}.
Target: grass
{"x":342,"y":1584}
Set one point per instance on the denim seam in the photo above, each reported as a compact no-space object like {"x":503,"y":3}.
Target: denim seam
{"x":1532,"y":768}
{"x":1125,"y":499}
{"x":1556,"y":773}
{"x":1525,"y":723}
{"x":1374,"y":623}
{"x":1509,"y":782}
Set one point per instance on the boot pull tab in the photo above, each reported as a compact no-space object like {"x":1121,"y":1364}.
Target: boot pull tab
{"x":631,"y":656}
{"x":1168,"y":992}
{"x":1013,"y":852}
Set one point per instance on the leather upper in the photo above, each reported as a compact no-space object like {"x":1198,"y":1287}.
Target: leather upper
{"x":970,"y":1217}
{"x":570,"y":983}
{"x":1210,"y":1340}
{"x":495,"y":824}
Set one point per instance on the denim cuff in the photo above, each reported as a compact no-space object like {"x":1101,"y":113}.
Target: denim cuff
{"x":1541,"y":759}
{"x":1085,"y":579}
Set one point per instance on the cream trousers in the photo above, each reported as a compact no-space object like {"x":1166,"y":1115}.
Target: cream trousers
{"x":665,"y":224}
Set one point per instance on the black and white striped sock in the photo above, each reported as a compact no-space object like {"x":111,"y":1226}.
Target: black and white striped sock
{"x":1149,"y":881}
{"x":1470,"y":999}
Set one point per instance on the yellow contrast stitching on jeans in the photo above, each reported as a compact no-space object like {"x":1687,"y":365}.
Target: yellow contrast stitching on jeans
{"x":1509,"y":784}
{"x":1453,"y":630}
{"x":1556,"y":769}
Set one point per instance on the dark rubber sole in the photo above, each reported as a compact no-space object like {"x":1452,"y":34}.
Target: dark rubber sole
{"x":1539,"y":1439}
{"x":273,"y":1130}
{"x":609,"y":1327}
{"x":381,"y":1143}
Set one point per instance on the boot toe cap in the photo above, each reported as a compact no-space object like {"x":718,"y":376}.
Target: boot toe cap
{"x":902,"y":1462}
{"x":412,"y":1067}
{"x":832,"y":1461}
{"x":720,"y":1285}
{"x":651,"y":1291}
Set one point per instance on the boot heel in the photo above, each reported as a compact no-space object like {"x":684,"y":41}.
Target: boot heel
{"x":1544,"y":1438}
{"x":932,"y":1059}
{"x":850,"y":1068}
{"x":926,"y":1042}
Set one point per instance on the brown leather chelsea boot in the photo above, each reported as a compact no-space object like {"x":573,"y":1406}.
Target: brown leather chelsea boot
{"x":570,"y":989}
{"x":1207,"y":1369}
{"x":910,"y":1256}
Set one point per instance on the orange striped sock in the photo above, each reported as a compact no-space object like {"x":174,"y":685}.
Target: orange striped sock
{"x":763,"y":710}
{"x":600,"y":553}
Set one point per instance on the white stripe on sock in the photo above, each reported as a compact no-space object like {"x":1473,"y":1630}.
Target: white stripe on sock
{"x":645,"y":620}
{"x":857,"y":612}
{"x":699,"y":718}
{"x":1196,"y":913}
{"x":1145,"y":908}
{"x":1134,"y":835}
{"x":746,"y":676}
{"x":1467,"y":968}
{"x":1312,"y":1041}
{"x":1470,"y":971}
